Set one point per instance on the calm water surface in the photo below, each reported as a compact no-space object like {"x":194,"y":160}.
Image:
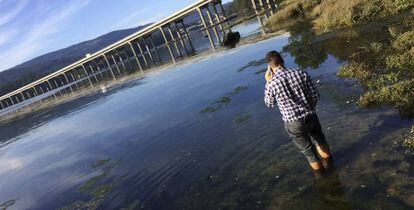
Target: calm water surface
{"x":198,"y":136}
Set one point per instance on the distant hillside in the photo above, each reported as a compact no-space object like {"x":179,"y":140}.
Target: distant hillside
{"x":50,"y":62}
{"x":43,"y":65}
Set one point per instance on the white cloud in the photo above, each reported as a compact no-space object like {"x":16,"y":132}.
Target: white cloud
{"x":156,"y":17}
{"x":40,"y":35}
{"x":128,"y":21}
{"x":10,"y":15}
{"x":6,"y":36}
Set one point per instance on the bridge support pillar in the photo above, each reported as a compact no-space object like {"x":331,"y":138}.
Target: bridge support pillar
{"x":148,"y":50}
{"x":167,"y":44}
{"x":24,"y":98}
{"x":50,"y":85}
{"x":74,"y":80}
{"x":174,"y":40}
{"x":56,"y":84}
{"x":187,"y":36}
{"x":122,"y":61}
{"x":155,"y":48}
{"x":219,"y":20}
{"x":263,"y":9}
{"x":99,"y":69}
{"x":200,"y":11}
{"x":35,"y":90}
{"x":116,"y":64}
{"x":135,"y":56}
{"x":258,"y":17}
{"x":87,"y":74}
{"x":212,"y":24}
{"x":67,"y":82}
{"x":41,"y":90}
{"x":109,"y":66}
{"x":181,"y":38}
{"x":93,"y":72}
{"x":270,"y":5}
{"x":142,"y":53}
{"x":223,"y":12}
{"x":1,"y":105}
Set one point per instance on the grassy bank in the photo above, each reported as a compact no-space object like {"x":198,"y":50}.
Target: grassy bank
{"x":386,"y":71}
{"x":385,"y":68}
{"x":328,"y":15}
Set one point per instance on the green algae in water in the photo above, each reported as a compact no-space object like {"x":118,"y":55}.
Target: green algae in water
{"x":94,"y":189}
{"x":133,"y":205}
{"x":223,"y":101}
{"x":239,"y":89}
{"x":209,"y":110}
{"x":7,"y":204}
{"x":252,"y":64}
{"x":409,"y":140}
{"x":101,"y":162}
{"x":260,"y":72}
{"x":240,"y":118}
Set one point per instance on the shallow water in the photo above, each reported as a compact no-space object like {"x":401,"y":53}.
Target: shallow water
{"x":198,"y":136}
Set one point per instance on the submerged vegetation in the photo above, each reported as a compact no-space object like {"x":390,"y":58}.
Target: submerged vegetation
{"x":385,"y":68}
{"x":7,"y":204}
{"x":240,"y":118}
{"x":223,"y":101}
{"x":97,"y":188}
{"x":409,"y":140}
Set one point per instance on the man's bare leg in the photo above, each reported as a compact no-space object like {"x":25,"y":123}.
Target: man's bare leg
{"x":323,"y":151}
{"x":316,"y":166}
{"x":325,"y":155}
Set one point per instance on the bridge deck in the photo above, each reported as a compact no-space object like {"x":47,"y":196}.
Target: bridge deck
{"x":156,"y":26}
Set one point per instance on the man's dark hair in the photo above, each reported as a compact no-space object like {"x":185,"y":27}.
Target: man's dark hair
{"x":275,"y":57}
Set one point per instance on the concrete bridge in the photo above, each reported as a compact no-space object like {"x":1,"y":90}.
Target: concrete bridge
{"x":139,"y":49}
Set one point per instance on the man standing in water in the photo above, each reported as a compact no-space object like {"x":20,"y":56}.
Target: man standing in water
{"x":297,"y":96}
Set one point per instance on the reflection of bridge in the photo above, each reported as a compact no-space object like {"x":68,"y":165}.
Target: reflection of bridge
{"x":137,"y":50}
{"x":264,"y":8}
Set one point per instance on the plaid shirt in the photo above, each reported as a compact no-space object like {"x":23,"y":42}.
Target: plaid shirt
{"x":294,"y":92}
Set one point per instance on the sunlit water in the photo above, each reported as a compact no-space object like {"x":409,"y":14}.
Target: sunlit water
{"x":198,"y":136}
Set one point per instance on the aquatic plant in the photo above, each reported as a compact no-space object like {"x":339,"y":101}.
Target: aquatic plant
{"x":252,"y":63}
{"x":101,"y":162}
{"x":240,"y":118}
{"x":209,"y":110}
{"x":223,"y":101}
{"x":239,"y":89}
{"x":7,"y":204}
{"x":95,"y":190}
{"x":386,"y":71}
{"x":262,"y":71}
{"x":409,"y":140}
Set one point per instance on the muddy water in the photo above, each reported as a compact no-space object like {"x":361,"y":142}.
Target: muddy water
{"x":198,"y":136}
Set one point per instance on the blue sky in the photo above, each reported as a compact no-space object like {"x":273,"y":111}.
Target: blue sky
{"x":29,"y":28}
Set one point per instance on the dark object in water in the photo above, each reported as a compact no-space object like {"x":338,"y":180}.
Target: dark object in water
{"x":231,"y":39}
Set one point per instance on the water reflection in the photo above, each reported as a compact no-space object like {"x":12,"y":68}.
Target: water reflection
{"x":95,"y":190}
{"x":174,"y":157}
{"x":310,"y":50}
{"x":327,"y":192}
